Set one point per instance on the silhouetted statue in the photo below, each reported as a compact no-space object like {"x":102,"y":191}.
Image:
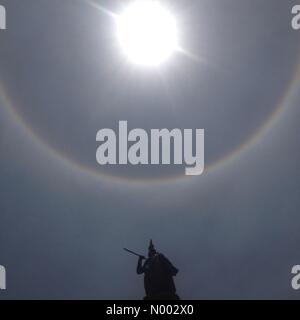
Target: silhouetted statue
{"x":158,"y":276}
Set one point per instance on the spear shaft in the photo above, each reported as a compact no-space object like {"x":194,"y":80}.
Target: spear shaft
{"x":134,"y":253}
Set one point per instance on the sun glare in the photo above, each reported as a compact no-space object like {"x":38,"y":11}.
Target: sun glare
{"x":147,"y":33}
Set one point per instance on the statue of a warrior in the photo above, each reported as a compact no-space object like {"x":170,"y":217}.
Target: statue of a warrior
{"x":158,"y":275}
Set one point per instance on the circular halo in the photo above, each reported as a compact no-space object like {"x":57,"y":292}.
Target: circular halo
{"x":254,"y":138}
{"x":66,"y":160}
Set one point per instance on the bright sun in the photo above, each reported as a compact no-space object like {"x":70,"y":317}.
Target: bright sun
{"x":147,"y":33}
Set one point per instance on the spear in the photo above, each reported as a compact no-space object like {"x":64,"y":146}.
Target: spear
{"x":134,"y":253}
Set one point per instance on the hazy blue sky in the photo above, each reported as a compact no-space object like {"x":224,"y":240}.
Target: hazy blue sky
{"x":232,"y":232}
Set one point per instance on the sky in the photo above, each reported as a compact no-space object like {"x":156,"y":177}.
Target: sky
{"x":232,"y":232}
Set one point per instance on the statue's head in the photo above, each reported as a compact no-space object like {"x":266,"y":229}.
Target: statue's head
{"x":151,"y":250}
